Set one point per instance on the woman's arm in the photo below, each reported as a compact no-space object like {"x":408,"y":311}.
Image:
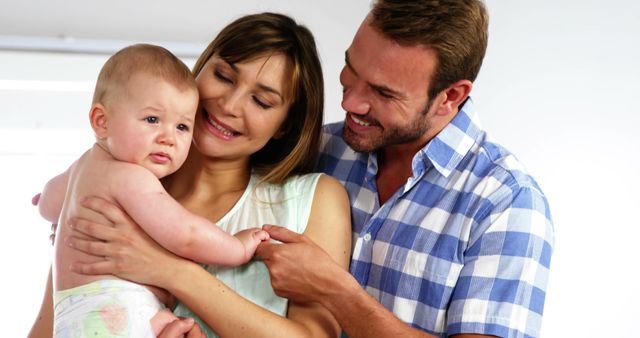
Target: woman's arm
{"x":130,"y":254}
{"x":233,"y":316}
{"x":329,"y":228}
{"x":43,"y":325}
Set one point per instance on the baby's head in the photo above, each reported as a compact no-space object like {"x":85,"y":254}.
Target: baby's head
{"x":144,"y":107}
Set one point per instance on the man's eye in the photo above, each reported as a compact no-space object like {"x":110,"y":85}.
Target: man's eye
{"x":151,"y":119}
{"x":384,"y":94}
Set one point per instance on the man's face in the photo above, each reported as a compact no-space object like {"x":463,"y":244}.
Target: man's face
{"x":385,"y":92}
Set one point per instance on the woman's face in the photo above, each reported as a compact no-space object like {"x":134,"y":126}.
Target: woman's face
{"x":242,"y":106}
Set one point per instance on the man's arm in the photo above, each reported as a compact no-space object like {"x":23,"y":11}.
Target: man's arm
{"x":303,"y":272}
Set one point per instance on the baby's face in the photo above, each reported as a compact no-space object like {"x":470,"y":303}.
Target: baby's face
{"x":152,"y":124}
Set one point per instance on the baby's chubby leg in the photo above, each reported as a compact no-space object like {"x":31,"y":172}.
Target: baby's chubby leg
{"x":161,"y":319}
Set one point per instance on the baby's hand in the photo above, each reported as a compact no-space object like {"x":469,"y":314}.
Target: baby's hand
{"x":250,"y":238}
{"x":35,"y":199}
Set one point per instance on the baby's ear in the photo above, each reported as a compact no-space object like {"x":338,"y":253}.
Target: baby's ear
{"x":98,"y":119}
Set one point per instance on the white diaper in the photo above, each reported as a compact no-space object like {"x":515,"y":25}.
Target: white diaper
{"x":105,"y":308}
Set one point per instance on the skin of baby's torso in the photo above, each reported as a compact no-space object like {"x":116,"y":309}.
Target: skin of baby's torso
{"x":95,"y":174}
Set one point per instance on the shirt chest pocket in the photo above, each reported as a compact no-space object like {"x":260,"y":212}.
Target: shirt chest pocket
{"x":422,"y":272}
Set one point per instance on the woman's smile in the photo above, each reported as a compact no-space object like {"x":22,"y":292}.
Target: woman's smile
{"x":218,"y":128}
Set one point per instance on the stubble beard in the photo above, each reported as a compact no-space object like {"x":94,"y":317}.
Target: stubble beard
{"x":390,"y":135}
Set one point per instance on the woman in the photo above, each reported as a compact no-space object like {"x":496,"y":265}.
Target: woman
{"x":256,"y":138}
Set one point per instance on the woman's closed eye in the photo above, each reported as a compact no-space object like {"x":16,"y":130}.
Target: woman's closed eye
{"x":222,"y":77}
{"x":261,"y":102}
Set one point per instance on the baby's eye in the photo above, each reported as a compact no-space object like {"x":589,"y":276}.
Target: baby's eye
{"x":151,"y":119}
{"x":183,"y":127}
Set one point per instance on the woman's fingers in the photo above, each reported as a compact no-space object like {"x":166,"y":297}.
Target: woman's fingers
{"x":92,"y":229}
{"x":97,"y":268}
{"x":91,"y":247}
{"x":109,"y":210}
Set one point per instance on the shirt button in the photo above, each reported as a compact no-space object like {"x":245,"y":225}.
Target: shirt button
{"x":367,"y":237}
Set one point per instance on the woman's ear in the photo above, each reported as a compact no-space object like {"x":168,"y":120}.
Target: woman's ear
{"x":278,"y":135}
{"x":282,"y":131}
{"x":98,"y":120}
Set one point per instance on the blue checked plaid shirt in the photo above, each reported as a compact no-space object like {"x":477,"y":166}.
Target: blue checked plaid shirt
{"x":463,"y":247}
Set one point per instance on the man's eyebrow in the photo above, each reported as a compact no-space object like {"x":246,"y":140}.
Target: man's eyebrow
{"x":346,"y":61}
{"x":378,"y":87}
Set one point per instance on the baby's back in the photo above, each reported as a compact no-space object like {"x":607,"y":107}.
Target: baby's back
{"x":94,"y":174}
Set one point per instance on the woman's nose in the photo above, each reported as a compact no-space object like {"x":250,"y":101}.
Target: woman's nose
{"x":231,"y":102}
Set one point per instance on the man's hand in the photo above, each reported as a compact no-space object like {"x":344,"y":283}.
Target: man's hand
{"x":299,"y":269}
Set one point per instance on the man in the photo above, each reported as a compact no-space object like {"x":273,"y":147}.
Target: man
{"x":451,"y":236}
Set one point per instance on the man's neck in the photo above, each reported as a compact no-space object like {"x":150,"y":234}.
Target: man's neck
{"x":394,"y":168}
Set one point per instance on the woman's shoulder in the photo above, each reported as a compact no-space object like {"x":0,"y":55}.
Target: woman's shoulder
{"x":293,"y":184}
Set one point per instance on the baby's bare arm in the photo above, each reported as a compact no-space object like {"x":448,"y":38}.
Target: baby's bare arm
{"x":52,"y":197}
{"x":171,"y":225}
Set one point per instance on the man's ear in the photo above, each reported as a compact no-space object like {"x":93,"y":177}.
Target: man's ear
{"x":98,"y":120}
{"x":453,"y":97}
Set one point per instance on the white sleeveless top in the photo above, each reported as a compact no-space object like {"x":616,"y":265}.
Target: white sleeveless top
{"x":287,"y":205}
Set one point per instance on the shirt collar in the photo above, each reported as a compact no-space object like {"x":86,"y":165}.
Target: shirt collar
{"x":451,"y":145}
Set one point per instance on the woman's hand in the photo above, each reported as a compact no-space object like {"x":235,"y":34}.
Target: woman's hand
{"x":128,"y":252}
{"x":183,"y":327}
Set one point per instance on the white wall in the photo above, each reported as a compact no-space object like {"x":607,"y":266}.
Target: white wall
{"x":557,"y":88}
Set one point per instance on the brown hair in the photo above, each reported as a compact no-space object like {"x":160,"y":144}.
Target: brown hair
{"x":265,"y":34}
{"x":141,"y":58}
{"x":456,"y":29}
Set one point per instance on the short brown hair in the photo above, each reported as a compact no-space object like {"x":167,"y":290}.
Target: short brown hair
{"x":456,"y":29}
{"x":141,"y":58}
{"x":265,"y":34}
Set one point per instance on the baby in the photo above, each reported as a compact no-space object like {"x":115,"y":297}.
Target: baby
{"x":142,"y":114}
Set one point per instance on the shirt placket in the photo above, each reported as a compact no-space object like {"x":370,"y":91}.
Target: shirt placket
{"x":368,"y":234}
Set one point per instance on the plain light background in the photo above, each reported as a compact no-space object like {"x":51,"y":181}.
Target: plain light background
{"x":557,"y":88}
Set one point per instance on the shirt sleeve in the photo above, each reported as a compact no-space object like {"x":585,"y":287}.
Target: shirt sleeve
{"x":502,"y":285}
